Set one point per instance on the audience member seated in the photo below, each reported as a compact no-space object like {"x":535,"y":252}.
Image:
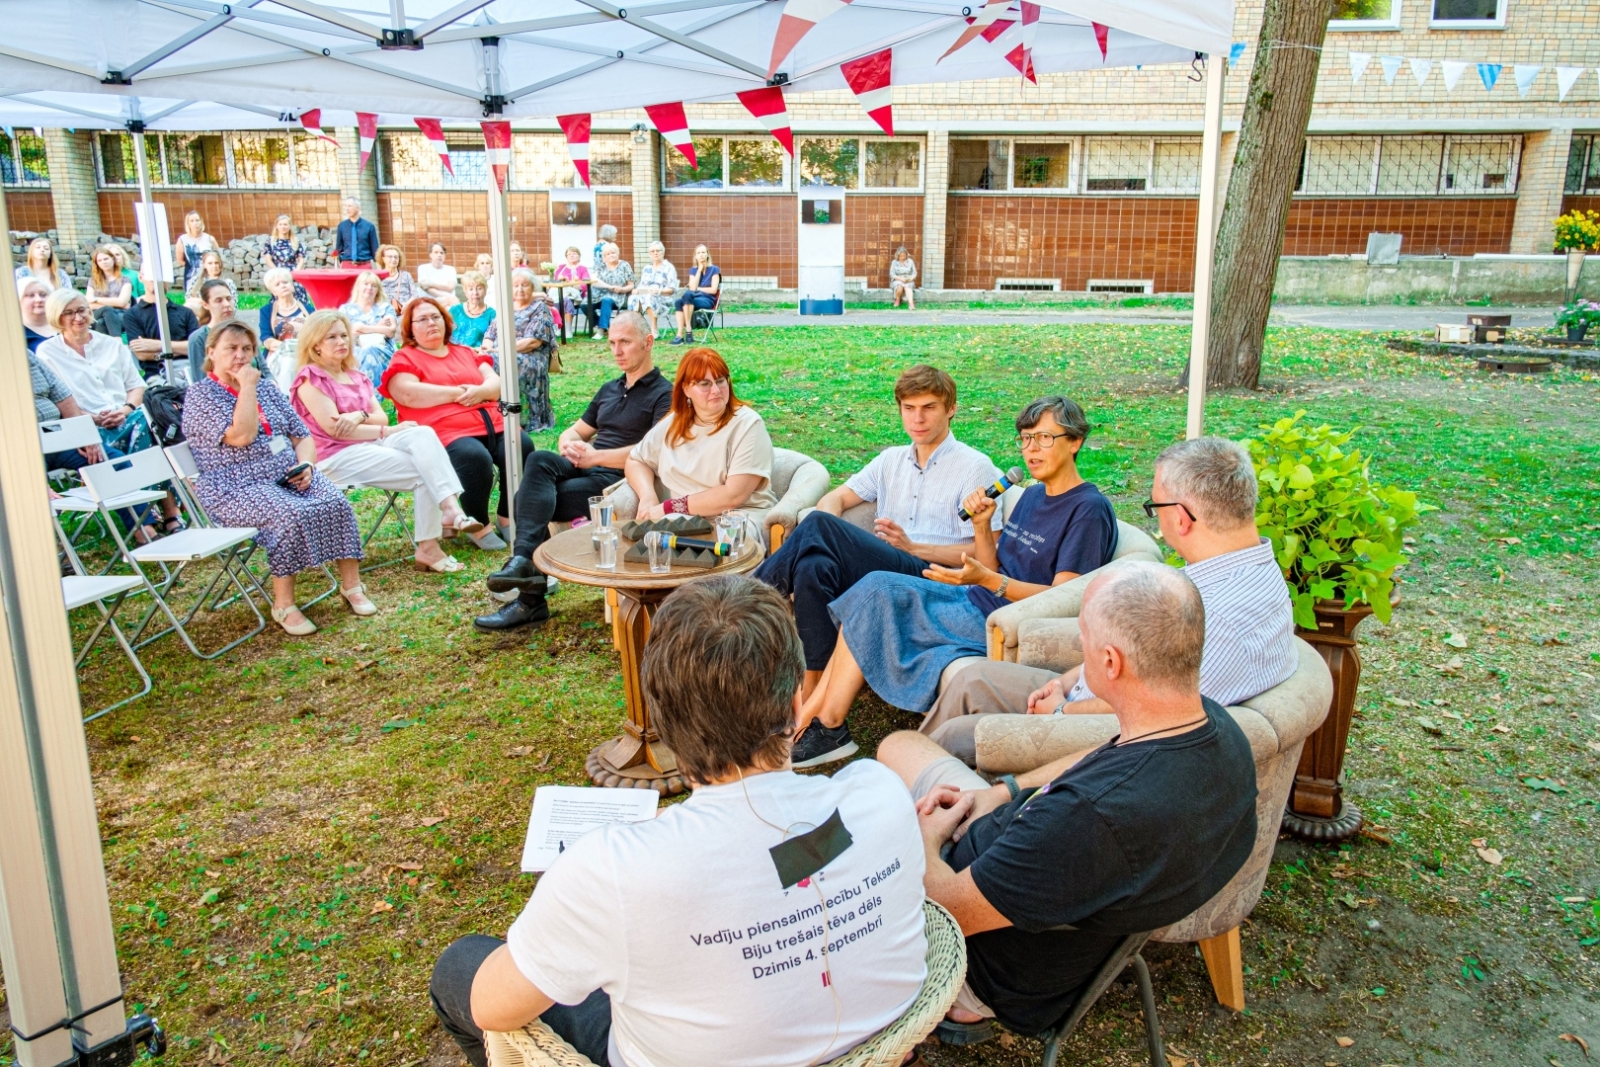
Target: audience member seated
{"x":712,"y":455}
{"x":729,"y":930}
{"x":357,"y":446}
{"x":536,"y":345}
{"x":127,"y":271}
{"x":473,"y":315}
{"x":41,"y":264}
{"x":373,"y":320}
{"x":571,"y":270}
{"x":355,"y":240}
{"x":143,"y":329}
{"x":210,"y":269}
{"x":1047,"y":871}
{"x":700,"y":294}
{"x":282,"y":309}
{"x":898,"y":632}
{"x":218,"y":305}
{"x":456,"y":392}
{"x":484,"y":265}
{"x":98,"y":370}
{"x":613,"y":281}
{"x":1204,"y":496}
{"x":246,"y":438}
{"x":918,"y":489}
{"x":190,"y":249}
{"x":398,"y":287}
{"x":606,"y":232}
{"x":32,"y":295}
{"x":519,"y":258}
{"x":108,"y":292}
{"x":903,"y":277}
{"x":657,"y":285}
{"x":438,"y":278}
{"x":589,"y":457}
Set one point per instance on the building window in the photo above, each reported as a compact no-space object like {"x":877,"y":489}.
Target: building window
{"x":1175,"y":166}
{"x":1042,"y":165}
{"x":22,"y":160}
{"x":1425,"y":165}
{"x":1479,"y":165}
{"x":407,"y":160}
{"x":892,"y":165}
{"x":980,"y":165}
{"x":755,"y":164}
{"x":1365,"y":15}
{"x":541,"y":161}
{"x":237,"y":160}
{"x":1468,"y":14}
{"x":1583,"y":166}
{"x":194,"y":159}
{"x":830,"y":161}
{"x":1338,"y":165}
{"x":861,"y":163}
{"x":1409,"y":166}
{"x":1108,"y":165}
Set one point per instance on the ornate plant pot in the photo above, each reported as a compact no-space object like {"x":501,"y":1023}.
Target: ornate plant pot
{"x":1317,"y":808}
{"x":1575,"y":257}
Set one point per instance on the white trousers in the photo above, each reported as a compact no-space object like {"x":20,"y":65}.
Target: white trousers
{"x":411,"y":459}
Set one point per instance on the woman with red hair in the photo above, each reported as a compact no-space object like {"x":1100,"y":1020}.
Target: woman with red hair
{"x":712,"y":453}
{"x":455,"y":391}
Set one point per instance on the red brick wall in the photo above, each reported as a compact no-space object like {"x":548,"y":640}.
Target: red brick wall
{"x":1456,"y":226}
{"x":747,"y":234}
{"x":1071,"y":238}
{"x":30,"y":210}
{"x":1568,"y":203}
{"x":414,"y":220}
{"x":874,"y":226}
{"x":228,"y":215}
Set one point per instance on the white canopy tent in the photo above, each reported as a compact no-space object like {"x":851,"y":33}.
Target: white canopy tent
{"x":151,"y":63}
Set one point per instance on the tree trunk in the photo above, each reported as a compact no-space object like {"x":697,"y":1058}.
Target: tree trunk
{"x":1266,"y":167}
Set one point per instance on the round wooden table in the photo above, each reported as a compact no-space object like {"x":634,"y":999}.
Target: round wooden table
{"x":637,"y":759}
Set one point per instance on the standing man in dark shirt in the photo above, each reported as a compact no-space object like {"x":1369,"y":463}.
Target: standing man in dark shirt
{"x":140,"y":324}
{"x":1047,"y":871}
{"x":557,"y":485}
{"x":355,"y":242}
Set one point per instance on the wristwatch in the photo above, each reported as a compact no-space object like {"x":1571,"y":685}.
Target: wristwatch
{"x":1005,"y":582}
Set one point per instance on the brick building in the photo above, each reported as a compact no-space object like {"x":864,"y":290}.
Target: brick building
{"x":1087,"y":180}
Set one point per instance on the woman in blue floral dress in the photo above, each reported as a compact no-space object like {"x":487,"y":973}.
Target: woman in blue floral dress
{"x":536,"y":347}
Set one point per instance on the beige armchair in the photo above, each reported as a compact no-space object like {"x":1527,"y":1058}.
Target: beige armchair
{"x":1277,"y":723}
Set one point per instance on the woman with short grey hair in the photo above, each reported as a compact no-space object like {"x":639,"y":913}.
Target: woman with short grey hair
{"x":535,"y":331}
{"x":657,"y":283}
{"x":613,"y":281}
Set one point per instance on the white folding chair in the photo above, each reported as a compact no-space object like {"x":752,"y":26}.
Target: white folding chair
{"x":227,"y":545}
{"x":80,"y":591}
{"x":64,"y":435}
{"x":391,"y":509}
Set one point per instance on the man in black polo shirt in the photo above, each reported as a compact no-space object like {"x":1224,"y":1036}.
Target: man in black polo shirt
{"x":557,"y":485}
{"x":144,"y":332}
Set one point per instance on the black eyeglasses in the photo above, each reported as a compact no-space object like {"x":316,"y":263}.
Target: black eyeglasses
{"x":1150,"y":507}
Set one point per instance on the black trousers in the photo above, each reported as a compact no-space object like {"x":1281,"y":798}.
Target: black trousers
{"x":819,"y":562}
{"x":554,"y":490}
{"x":586,"y":1027}
{"x":477,"y":460}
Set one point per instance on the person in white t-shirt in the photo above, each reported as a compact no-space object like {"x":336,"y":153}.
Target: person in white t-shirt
{"x":712,"y":934}
{"x":713,"y":453}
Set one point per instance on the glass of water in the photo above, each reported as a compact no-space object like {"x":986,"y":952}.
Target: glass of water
{"x":660,"y":554}
{"x":601,"y":509}
{"x":606,"y":550}
{"x":730,"y":530}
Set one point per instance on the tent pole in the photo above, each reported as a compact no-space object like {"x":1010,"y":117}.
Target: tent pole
{"x":1205,"y":244}
{"x":136,"y":131}
{"x":505,"y":314}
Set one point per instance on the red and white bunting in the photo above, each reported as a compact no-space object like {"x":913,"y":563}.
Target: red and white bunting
{"x":1022,"y":56}
{"x":977,"y":25}
{"x":575,"y":128}
{"x":1101,"y":34}
{"x":672,"y":124}
{"x":796,"y":21}
{"x":497,"y":149}
{"x":311,"y":122}
{"x":768,"y":105}
{"x":435,"y":134}
{"x":367,"y":127}
{"x":868,"y":78}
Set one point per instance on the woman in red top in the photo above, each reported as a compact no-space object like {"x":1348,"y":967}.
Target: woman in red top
{"x":455,"y":391}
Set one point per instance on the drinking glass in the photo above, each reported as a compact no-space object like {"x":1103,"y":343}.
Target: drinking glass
{"x":601,"y":509}
{"x":739,"y":521}
{"x":606,"y":549}
{"x":729,"y":530}
{"x":660,"y":555}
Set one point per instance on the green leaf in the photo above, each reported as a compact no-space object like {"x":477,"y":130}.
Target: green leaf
{"x":1543,"y":784}
{"x":1302,"y":478}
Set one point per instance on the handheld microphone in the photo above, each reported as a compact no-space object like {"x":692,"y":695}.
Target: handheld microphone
{"x":1014,"y":476}
{"x":716,"y":548}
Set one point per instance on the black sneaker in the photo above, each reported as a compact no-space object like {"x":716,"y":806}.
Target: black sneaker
{"x":822,"y":744}
{"x":518,"y":574}
{"x":515,"y":614}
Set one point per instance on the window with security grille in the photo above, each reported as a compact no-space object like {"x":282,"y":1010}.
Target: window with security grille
{"x":1117,"y":164}
{"x":316,"y":162}
{"x":1466,"y":10}
{"x":1041,"y":165}
{"x":610,"y":160}
{"x":1583,"y":165}
{"x":261,"y":159}
{"x":194,"y":159}
{"x":1175,"y":166}
{"x":1479,"y":165}
{"x":1339,"y":166}
{"x":22,"y":161}
{"x":540,"y":161}
{"x":891,"y":164}
{"x":1409,"y":165}
{"x":978,"y":164}
{"x":408,"y":160}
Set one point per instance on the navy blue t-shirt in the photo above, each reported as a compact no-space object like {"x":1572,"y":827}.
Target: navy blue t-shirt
{"x":1132,"y":838}
{"x":1045,"y":535}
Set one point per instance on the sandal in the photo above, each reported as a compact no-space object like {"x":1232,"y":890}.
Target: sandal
{"x":300,"y":629}
{"x":174,"y":525}
{"x":462,"y":524}
{"x":357,"y":599}
{"x":442,"y":565}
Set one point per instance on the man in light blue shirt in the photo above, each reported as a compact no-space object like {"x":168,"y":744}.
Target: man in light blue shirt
{"x":918,"y":489}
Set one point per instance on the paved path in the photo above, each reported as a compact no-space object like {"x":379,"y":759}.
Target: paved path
{"x":1327,"y":316}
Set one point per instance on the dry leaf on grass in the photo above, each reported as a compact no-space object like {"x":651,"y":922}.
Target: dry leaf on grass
{"x":1179,"y":1060}
{"x":1456,"y":640}
{"x":380,"y":906}
{"x":1491,"y":856}
{"x":434,"y":820}
{"x":409,"y":866}
{"x":1580,"y":1042}
{"x":1594,"y":746}
{"x":363,"y":664}
{"x":520,"y":750}
{"x":1344,"y":1042}
{"x":1500,"y":728}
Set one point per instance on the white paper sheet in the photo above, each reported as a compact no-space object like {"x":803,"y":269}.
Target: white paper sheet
{"x":563,"y":813}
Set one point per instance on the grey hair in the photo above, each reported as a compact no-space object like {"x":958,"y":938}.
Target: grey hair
{"x":1069,"y":415}
{"x":1212,"y":477}
{"x":276,"y":274}
{"x":607,"y":232}
{"x":655,"y":245}
{"x":610,"y":246}
{"x":1154,"y":616}
{"x":517,"y":272}
{"x":640,"y":324}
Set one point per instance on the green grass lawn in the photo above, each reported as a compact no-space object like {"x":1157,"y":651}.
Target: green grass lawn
{"x":294,"y":832}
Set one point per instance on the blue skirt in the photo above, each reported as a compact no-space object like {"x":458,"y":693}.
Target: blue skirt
{"x":904,"y":631}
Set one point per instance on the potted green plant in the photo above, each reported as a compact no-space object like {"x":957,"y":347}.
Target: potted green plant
{"x":1339,"y":538}
{"x":1577,"y":234}
{"x":1577,"y":317}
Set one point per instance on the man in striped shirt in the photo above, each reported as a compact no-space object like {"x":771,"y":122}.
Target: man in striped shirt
{"x":1204,"y":496}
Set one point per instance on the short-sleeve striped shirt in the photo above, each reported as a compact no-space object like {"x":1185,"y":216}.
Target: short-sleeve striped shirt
{"x":1249,"y":644}
{"x":925,"y":500}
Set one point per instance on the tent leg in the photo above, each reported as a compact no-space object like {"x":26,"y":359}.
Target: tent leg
{"x":1205,"y":243}
{"x":145,"y":251}
{"x":506,"y":344}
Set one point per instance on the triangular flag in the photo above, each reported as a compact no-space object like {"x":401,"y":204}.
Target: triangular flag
{"x":1391,"y":67}
{"x":1021,"y":56}
{"x":1420,"y":69}
{"x":1236,"y":53}
{"x":796,"y":21}
{"x":868,"y":78}
{"x":435,"y":134}
{"x":976,"y":24}
{"x":672,"y":124}
{"x":1358,"y":64}
{"x":1101,"y":33}
{"x":1566,"y":78}
{"x":768,"y":105}
{"x":1489,"y":73}
{"x":311,"y":121}
{"x":497,"y":149}
{"x":575,"y":128}
{"x":1451,"y":69}
{"x":367,"y":129}
{"x":1525,"y":73}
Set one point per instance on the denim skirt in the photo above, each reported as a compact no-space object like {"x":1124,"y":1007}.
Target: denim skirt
{"x":904,"y":631}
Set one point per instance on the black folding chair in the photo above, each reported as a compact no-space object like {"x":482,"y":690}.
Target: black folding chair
{"x":1126,"y":952}
{"x":706,"y":320}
